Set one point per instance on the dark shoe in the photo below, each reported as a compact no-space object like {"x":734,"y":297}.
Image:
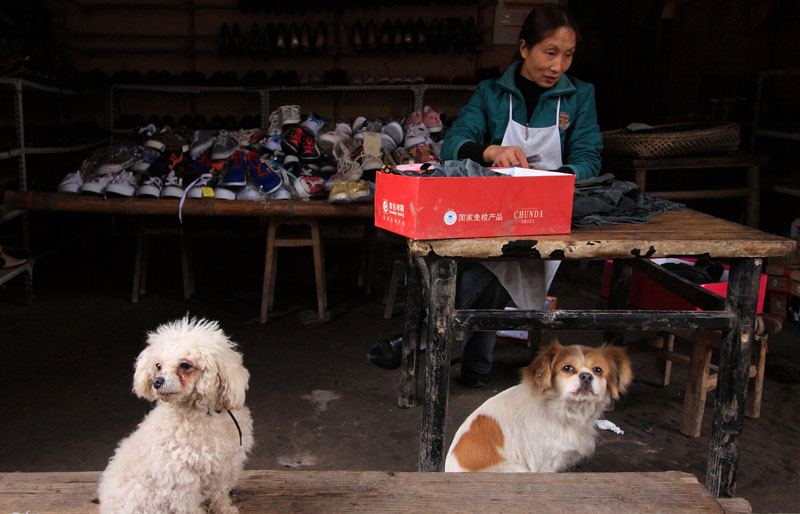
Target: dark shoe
{"x":357,"y":37}
{"x":469,"y":378}
{"x":386,"y":353}
{"x":224,"y":41}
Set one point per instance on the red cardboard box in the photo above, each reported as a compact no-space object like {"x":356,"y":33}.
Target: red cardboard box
{"x":646,"y":294}
{"x":463,"y":207}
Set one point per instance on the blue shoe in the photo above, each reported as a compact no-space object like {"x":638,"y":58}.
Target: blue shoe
{"x":235,"y":170}
{"x":266,"y":173}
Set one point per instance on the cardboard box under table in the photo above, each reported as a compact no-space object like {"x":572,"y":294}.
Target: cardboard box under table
{"x":527,"y":202}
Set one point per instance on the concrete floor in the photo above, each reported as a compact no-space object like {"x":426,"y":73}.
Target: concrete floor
{"x":317,"y":402}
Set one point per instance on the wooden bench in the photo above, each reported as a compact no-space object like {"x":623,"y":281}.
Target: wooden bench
{"x":381,"y":492}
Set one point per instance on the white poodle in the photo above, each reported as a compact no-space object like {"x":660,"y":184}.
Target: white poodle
{"x":189,"y":451}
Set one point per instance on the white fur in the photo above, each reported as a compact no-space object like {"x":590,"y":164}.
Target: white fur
{"x":547,"y":423}
{"x":185,"y":456}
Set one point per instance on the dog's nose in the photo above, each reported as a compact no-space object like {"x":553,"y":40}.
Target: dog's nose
{"x":586,"y":377}
{"x":158,"y":382}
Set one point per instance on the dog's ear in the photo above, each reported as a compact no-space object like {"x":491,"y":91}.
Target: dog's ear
{"x":620,"y":375}
{"x":144,"y":372}
{"x":224,"y":381}
{"x":540,"y":372}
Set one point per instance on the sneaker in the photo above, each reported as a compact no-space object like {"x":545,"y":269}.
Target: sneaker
{"x":124,"y":183}
{"x":388,"y":142}
{"x":394,"y":130}
{"x":273,"y":143}
{"x":340,"y":192}
{"x":247,"y":137}
{"x":309,"y":186}
{"x":250,"y":191}
{"x":200,"y":186}
{"x":224,"y":146}
{"x":308,"y":149}
{"x":151,"y":187}
{"x":115,"y":158}
{"x":359,"y":191}
{"x":149,"y":156}
{"x":370,"y":162}
{"x":348,"y":168}
{"x":292,"y":140}
{"x":416,"y":135}
{"x":71,"y":183}
{"x":344,"y":128}
{"x":430,"y":119}
{"x":275,"y":122}
{"x":202,"y":141}
{"x":415,"y":118}
{"x":401,"y":156}
{"x":235,"y":170}
{"x":166,"y":138}
{"x":312,"y":124}
{"x":281,"y":194}
{"x":290,"y":114}
{"x":98,"y":184}
{"x":173,"y":184}
{"x":326,"y":142}
{"x":263,"y":172}
{"x":358,"y":124}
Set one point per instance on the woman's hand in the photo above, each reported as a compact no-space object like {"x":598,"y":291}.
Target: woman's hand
{"x":505,"y":156}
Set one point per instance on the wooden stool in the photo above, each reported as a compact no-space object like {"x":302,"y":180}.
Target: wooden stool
{"x":271,"y":262}
{"x":703,"y":375}
{"x":140,"y":265}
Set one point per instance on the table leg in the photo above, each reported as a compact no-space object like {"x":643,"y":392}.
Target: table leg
{"x":415,"y":300}
{"x":437,"y":370}
{"x":618,"y":295}
{"x":734,"y":362}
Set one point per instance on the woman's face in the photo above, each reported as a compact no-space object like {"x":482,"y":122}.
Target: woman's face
{"x":547,"y":60}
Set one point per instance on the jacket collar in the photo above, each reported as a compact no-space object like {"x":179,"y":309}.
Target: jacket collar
{"x":506,"y":81}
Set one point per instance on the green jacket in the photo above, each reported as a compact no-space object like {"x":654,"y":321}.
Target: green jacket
{"x":485,"y":118}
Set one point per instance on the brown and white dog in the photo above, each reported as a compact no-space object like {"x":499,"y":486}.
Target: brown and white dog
{"x":547,"y":422}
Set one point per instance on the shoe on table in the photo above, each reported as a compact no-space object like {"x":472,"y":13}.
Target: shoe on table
{"x":249,"y":192}
{"x":151,"y":187}
{"x":359,"y":191}
{"x":235,"y":170}
{"x":124,"y":184}
{"x":308,"y":149}
{"x":289,"y":114}
{"x":309,"y":186}
{"x":149,"y":156}
{"x":173,"y":184}
{"x":387,"y":353}
{"x":263,"y":172}
{"x":200,"y":187}
{"x":202,"y":141}
{"x":224,"y":146}
{"x":431,"y":120}
{"x":340,"y":192}
{"x":97,"y":184}
{"x":416,"y":135}
{"x":166,"y":138}
{"x":71,"y":183}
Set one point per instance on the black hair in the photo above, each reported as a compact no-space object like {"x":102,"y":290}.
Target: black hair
{"x":542,"y":21}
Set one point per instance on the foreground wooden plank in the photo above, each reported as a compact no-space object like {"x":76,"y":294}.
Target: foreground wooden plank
{"x":386,"y":492}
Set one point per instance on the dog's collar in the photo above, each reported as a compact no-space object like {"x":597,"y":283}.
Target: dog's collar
{"x":234,"y":422}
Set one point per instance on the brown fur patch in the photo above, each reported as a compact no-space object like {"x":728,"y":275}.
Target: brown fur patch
{"x":479,"y":447}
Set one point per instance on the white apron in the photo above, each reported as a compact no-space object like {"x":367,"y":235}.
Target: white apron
{"x":527,"y":281}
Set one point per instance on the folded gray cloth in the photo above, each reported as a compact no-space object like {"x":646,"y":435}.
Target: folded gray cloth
{"x":604,"y":200}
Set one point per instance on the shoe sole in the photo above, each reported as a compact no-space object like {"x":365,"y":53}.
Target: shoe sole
{"x":224,"y":194}
{"x":221,"y":155}
{"x":171,"y":192}
{"x":410,"y":143}
{"x":120,"y":189}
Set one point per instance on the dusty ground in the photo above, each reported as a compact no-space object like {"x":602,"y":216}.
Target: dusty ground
{"x":316,"y":400}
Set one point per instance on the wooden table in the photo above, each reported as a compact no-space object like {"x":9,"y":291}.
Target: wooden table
{"x":431,"y":277}
{"x":385,"y":492}
{"x":280,"y":212}
{"x":749,"y":189}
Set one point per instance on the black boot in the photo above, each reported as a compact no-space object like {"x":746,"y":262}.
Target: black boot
{"x":387,"y":352}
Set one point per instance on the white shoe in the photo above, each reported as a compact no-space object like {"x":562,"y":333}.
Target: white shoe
{"x":249,"y":192}
{"x":71,"y":183}
{"x":98,"y":184}
{"x":173,"y":186}
{"x":394,"y":130}
{"x":195,"y":189}
{"x":289,"y":114}
{"x":416,"y":135}
{"x":125,"y":183}
{"x":280,"y":194}
{"x":151,"y":187}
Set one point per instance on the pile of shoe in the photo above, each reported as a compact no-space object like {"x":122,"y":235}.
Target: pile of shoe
{"x":451,"y":34}
{"x":300,"y":156}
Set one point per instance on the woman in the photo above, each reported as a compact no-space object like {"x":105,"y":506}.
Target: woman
{"x":532,"y":116}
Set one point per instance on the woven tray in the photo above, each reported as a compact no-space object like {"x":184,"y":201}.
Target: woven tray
{"x":677,"y":139}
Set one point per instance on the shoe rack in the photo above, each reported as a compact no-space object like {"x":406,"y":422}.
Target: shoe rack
{"x":416,"y":96}
{"x":17,"y":88}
